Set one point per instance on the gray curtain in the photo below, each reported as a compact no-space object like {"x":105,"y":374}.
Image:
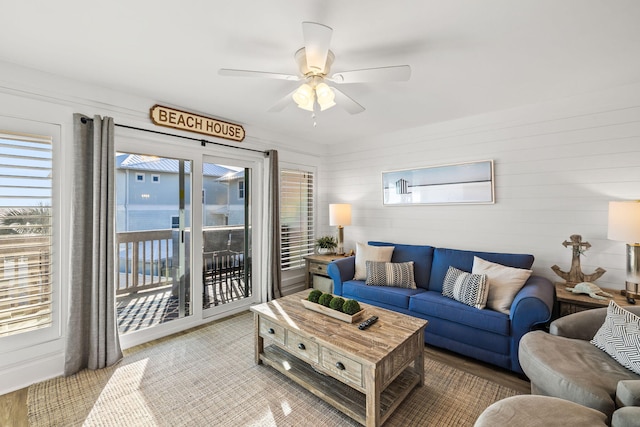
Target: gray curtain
{"x":92,"y":331}
{"x":275,"y":270}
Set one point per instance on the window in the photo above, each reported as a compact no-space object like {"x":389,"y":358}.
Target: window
{"x":155,"y":178}
{"x":240,"y":189}
{"x":26,"y":163}
{"x":139,"y":177}
{"x":296,"y":217}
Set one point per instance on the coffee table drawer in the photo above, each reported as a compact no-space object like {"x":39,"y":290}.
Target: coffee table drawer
{"x":347,"y":369}
{"x":302,"y":347}
{"x":271,"y":331}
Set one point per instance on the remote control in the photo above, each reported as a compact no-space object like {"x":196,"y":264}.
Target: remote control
{"x":370,"y":321}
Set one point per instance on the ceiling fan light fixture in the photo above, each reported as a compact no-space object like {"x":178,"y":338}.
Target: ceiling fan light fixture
{"x":326,"y":96}
{"x":326,"y":105}
{"x":307,"y":106}
{"x":304,"y":97}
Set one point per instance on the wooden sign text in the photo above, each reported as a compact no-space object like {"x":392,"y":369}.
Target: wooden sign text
{"x":170,"y":117}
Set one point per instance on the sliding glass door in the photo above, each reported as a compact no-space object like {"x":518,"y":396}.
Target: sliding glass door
{"x":153,"y":223}
{"x":227,"y":243}
{"x":187,"y":223}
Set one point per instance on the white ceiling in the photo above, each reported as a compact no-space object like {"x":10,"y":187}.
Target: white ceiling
{"x":467,"y":56}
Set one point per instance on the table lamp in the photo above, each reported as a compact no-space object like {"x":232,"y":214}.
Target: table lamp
{"x":624,"y":225}
{"x":340,"y":215}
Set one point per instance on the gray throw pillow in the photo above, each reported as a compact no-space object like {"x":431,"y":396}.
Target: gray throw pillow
{"x":470,"y":289}
{"x":398,"y":274}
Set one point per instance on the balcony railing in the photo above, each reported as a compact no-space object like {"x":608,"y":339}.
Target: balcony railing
{"x":25,"y":283}
{"x":144,"y":260}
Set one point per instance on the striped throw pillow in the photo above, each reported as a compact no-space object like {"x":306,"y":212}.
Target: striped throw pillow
{"x":470,"y":289}
{"x":398,"y":274}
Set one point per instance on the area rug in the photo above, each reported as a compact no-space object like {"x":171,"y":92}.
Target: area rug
{"x":207,"y":377}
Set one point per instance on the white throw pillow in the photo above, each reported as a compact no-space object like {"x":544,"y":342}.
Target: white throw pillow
{"x":366,"y":253}
{"x":504,"y":282}
{"x":619,"y":337}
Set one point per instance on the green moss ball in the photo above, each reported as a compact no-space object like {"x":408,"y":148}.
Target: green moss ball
{"x":325,"y":299}
{"x":314,"y":295}
{"x":336,"y":303}
{"x":351,"y":307}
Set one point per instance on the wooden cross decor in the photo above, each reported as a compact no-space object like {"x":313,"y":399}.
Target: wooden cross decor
{"x":575,"y":274}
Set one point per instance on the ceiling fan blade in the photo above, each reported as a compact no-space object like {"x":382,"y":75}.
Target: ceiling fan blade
{"x":346,"y":102}
{"x":258,"y":74}
{"x":283,"y":103}
{"x":316,"y":43}
{"x":396,"y":73}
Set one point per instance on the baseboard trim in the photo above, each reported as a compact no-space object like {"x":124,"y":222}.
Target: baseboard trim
{"x":33,"y":371}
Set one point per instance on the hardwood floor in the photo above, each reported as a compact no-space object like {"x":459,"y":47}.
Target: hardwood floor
{"x":13,"y":406}
{"x":13,"y":409}
{"x":489,"y":372}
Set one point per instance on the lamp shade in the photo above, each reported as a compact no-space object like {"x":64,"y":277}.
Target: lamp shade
{"x":340,"y":214}
{"x":624,"y":221}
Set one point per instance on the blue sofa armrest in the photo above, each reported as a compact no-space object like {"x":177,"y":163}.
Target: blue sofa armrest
{"x":532,"y":306}
{"x":340,"y":271}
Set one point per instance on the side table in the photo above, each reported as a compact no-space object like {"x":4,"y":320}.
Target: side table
{"x":568,"y":302}
{"x":316,"y":272}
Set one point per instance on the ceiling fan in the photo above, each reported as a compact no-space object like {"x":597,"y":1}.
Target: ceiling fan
{"x":314,"y":62}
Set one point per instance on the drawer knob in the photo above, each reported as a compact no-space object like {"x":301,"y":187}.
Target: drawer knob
{"x":340,"y":366}
{"x":271,"y":331}
{"x":301,"y":346}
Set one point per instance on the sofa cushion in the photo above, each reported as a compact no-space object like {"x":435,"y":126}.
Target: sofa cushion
{"x":470,"y":289}
{"x":619,"y":337}
{"x":628,"y":393}
{"x":463,"y":260}
{"x":388,"y":295}
{"x":398,"y":274}
{"x":504,"y":282}
{"x":366,"y":253}
{"x":434,"y":304}
{"x":539,"y":411}
{"x":422,"y":257}
{"x":571,"y":369}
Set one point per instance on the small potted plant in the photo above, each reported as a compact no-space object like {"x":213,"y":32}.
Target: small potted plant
{"x":326,"y":244}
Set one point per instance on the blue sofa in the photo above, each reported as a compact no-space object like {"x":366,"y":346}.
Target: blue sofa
{"x":486,"y":334}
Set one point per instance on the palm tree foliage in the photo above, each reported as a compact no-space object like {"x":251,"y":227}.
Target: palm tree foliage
{"x":29,"y":220}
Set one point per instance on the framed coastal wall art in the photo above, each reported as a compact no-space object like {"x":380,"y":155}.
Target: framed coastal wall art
{"x":461,"y":183}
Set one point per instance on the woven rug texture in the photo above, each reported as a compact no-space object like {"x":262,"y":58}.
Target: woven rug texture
{"x":207,"y":377}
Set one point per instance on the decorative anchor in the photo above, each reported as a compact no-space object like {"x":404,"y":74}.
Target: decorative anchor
{"x":575,"y":274}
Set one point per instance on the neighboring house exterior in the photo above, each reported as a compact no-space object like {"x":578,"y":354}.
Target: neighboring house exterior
{"x":234,"y":183}
{"x":147,"y":193}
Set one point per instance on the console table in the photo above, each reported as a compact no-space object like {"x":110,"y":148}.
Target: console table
{"x":568,"y":302}
{"x":316,"y":272}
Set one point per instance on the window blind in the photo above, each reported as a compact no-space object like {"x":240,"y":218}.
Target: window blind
{"x":26,"y":163}
{"x":296,"y":217}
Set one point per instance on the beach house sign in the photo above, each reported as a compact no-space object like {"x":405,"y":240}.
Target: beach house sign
{"x":170,"y":117}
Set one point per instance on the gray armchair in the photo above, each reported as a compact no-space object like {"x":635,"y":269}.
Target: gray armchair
{"x":564,"y":364}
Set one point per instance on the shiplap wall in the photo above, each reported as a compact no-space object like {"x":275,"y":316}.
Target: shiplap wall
{"x":557,"y":165}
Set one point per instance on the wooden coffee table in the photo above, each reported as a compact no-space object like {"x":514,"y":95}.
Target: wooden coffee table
{"x":365,"y":374}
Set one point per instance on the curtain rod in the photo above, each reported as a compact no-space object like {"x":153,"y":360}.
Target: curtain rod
{"x":202,"y":142}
